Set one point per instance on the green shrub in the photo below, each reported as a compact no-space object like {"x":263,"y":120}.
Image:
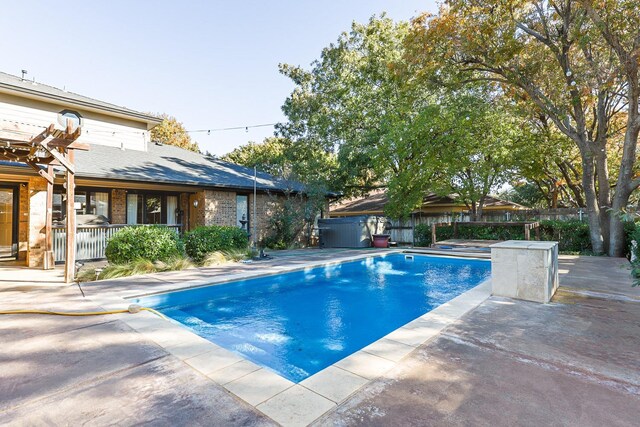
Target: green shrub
{"x":631,"y":233}
{"x":204,"y":240}
{"x":138,"y":266}
{"x":152,"y":243}
{"x":571,"y":235}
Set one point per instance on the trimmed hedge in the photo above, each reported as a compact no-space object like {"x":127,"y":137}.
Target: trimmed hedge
{"x":572,"y":235}
{"x":204,"y":240}
{"x":153,"y":243}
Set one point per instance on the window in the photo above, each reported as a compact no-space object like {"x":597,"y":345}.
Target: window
{"x":172,"y":210}
{"x":242,"y":211}
{"x":86,"y":202}
{"x":76,"y":119}
{"x":152,"y":208}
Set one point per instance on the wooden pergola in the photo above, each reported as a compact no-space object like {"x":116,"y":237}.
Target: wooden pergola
{"x":51,"y":147}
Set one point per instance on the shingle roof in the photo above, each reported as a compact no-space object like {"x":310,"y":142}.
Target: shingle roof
{"x":9,"y":82}
{"x":375,"y":202}
{"x":170,"y":164}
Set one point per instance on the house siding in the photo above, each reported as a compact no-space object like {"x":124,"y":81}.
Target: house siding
{"x":97,"y":128}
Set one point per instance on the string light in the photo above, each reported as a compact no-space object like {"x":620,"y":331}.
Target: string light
{"x":246,"y":128}
{"x":114,"y":133}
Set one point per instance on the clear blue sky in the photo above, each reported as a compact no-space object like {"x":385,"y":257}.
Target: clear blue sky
{"x":212,"y":64}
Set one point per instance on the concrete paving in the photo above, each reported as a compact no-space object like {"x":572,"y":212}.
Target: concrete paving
{"x":98,"y":371}
{"x":572,"y":362}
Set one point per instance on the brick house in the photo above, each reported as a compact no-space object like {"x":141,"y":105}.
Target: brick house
{"x":123,"y":176}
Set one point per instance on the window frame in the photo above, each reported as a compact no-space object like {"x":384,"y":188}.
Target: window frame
{"x":58,"y":189}
{"x":248,"y":196}
{"x":163,"y":205}
{"x":67,"y":111}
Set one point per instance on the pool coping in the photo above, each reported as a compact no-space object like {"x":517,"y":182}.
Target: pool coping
{"x":282,"y":400}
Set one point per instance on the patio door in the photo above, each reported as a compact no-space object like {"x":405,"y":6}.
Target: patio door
{"x":8,"y":222}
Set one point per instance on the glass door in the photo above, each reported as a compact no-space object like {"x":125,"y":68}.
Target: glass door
{"x":8,"y":223}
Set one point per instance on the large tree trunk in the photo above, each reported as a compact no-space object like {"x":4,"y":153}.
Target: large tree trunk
{"x":624,"y":185}
{"x":593,"y":211}
{"x":604,"y":193}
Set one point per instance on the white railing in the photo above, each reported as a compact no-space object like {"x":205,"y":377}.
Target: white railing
{"x":91,"y":240}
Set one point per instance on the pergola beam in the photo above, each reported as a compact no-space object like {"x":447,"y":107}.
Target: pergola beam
{"x":41,"y":172}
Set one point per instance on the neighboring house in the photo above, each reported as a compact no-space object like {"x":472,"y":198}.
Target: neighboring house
{"x":432,"y":205}
{"x":434,"y":209}
{"x":124,"y":176}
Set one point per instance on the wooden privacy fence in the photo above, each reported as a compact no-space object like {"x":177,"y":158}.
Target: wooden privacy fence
{"x":91,"y":240}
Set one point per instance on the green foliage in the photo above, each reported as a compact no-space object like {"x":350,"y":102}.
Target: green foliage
{"x":343,"y":103}
{"x":132,"y":268}
{"x":526,"y":194}
{"x":153,"y":243}
{"x":362,"y":100}
{"x":572,"y":235}
{"x":286,"y":222}
{"x":172,"y":132}
{"x":204,"y":240}
{"x":563,"y":61}
{"x":287,"y":159}
{"x":632,"y":232}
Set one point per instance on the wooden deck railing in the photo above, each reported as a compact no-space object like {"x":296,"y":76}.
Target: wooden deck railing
{"x":91,"y":240}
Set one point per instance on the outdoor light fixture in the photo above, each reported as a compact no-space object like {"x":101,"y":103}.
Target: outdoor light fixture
{"x":195,"y":203}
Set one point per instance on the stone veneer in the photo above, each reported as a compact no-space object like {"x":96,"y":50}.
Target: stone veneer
{"x":36,"y":216}
{"x":525,"y":270}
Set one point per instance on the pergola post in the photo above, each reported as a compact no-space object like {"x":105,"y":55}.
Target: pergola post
{"x":70,"y":256}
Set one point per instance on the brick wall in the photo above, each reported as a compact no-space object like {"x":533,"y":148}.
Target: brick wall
{"x":118,"y":206}
{"x":220,"y":208}
{"x":197,"y":214}
{"x":265,"y":205}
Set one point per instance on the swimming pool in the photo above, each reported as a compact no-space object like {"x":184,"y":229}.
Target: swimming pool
{"x":298,"y":323}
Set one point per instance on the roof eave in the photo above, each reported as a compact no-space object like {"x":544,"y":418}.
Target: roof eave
{"x":118,"y":112}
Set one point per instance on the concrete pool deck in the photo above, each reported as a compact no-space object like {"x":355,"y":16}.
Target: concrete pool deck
{"x":572,"y":362}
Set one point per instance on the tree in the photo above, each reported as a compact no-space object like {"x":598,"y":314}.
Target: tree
{"x":362,"y":100}
{"x":468,"y":143}
{"x":345,"y":103}
{"x":577,"y":63}
{"x":172,"y":132}
{"x":526,"y":194}
{"x":293,"y":216}
{"x":284,"y":158}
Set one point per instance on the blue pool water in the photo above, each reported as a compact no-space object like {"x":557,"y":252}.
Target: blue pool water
{"x":298,"y":323}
